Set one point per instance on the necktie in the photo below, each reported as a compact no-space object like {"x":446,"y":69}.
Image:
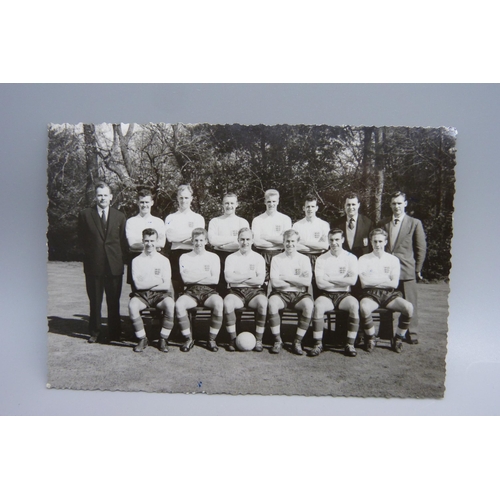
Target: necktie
{"x":103,"y":219}
{"x":396,"y":222}
{"x":351,"y":224}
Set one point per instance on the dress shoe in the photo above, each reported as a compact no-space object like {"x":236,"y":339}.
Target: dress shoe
{"x":93,"y":338}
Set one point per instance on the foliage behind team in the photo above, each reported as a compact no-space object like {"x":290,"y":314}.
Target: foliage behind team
{"x":214,"y":159}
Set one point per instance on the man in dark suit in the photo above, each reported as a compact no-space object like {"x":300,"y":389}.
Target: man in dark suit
{"x":407,"y":242}
{"x":102,"y":234}
{"x":356,"y":227}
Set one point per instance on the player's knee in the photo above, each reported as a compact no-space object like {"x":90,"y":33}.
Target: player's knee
{"x":408,"y":309}
{"x":218,"y":305}
{"x":261,"y":304}
{"x":228,"y":304}
{"x":353,"y":308}
{"x":180,"y":308}
{"x":307,"y":308}
{"x":273,"y":306}
{"x":364,"y":309}
{"x":133,"y":308}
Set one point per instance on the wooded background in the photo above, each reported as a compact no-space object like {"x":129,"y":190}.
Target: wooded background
{"x":328,"y":161}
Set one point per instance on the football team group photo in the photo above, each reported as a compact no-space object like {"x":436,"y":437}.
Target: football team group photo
{"x":304,"y":260}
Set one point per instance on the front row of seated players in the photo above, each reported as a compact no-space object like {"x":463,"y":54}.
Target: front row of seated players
{"x":291,"y":273}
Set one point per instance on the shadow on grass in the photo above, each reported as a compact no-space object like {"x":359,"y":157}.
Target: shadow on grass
{"x":77,"y":328}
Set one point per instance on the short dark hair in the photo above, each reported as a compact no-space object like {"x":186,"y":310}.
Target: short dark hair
{"x":351,"y":195}
{"x":398,"y":193}
{"x":229,"y":195}
{"x":335,"y":230}
{"x":101,"y":185}
{"x":199,"y":231}
{"x":149,"y":231}
{"x":310,"y":197}
{"x":142,"y":193}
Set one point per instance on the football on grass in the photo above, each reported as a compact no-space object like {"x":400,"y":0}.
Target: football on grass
{"x":245,"y":341}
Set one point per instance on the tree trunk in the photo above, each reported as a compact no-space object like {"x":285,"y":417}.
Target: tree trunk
{"x":91,"y":162}
{"x":124,"y":141}
{"x":114,"y":164}
{"x":379,"y":171}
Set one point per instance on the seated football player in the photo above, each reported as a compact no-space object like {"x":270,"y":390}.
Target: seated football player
{"x":290,"y":279}
{"x":245,"y":271}
{"x":199,"y":270}
{"x":336,"y":271}
{"x":379,"y":275}
{"x":151,"y":274}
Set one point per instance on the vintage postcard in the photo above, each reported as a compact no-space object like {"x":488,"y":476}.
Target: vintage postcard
{"x":307,"y":260}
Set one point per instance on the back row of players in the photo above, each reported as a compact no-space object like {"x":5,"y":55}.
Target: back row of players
{"x":293,"y":258}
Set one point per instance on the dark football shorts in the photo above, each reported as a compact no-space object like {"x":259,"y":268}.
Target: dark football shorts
{"x":246,"y":294}
{"x":291,"y":299}
{"x":150,"y":297}
{"x":200,"y":293}
{"x":335,"y":297}
{"x":382,"y":296}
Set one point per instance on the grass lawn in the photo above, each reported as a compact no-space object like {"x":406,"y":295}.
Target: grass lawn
{"x":418,"y":372}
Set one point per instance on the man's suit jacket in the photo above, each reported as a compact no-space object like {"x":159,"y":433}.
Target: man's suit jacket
{"x":99,"y":245}
{"x":363,"y":227}
{"x":410,"y":246}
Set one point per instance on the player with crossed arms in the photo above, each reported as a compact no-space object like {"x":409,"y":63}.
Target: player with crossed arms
{"x":291,"y":275}
{"x":151,"y":275}
{"x":379,"y":275}
{"x":336,"y":271}
{"x":200,"y":271}
{"x":245,"y":271}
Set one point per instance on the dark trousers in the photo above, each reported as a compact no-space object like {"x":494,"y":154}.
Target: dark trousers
{"x":96,"y":286}
{"x":409,"y":289}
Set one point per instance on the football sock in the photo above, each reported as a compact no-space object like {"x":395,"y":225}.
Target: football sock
{"x":138,"y":324}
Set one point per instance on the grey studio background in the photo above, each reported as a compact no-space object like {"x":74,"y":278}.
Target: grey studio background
{"x":473,"y":370}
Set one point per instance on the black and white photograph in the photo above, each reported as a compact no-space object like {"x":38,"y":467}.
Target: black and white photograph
{"x":308,"y":260}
